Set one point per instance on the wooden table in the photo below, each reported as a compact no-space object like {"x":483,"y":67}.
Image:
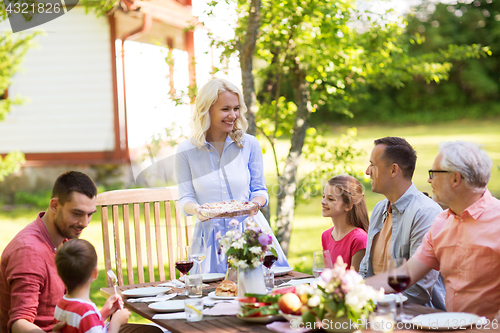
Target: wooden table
{"x":231,"y":324}
{"x":209,"y":323}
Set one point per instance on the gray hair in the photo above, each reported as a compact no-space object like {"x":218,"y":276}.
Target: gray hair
{"x":469,"y":159}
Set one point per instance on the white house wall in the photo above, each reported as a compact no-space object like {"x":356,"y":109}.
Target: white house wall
{"x":68,"y":81}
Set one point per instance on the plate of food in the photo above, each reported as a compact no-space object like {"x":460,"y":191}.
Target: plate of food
{"x":256,"y":308}
{"x":278,"y":271}
{"x":209,"y":277}
{"x":168,"y":306}
{"x":228,"y":209}
{"x":146,"y":291}
{"x":225,"y":290}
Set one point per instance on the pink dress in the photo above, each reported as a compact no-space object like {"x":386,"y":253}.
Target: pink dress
{"x":353,"y":242}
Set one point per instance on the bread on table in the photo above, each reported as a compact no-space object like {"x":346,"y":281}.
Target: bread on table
{"x":226,"y":288}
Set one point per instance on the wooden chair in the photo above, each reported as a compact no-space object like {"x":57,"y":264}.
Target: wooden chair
{"x":144,"y":231}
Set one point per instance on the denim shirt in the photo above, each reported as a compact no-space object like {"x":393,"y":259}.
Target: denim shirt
{"x":412,"y":216}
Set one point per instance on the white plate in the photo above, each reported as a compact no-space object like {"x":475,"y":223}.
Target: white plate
{"x":388,"y":297}
{"x":209,"y":277}
{"x":291,"y":317}
{"x":168,"y":306}
{"x":444,"y":321}
{"x":147,"y":291}
{"x":278,"y":271}
{"x":212,"y":295}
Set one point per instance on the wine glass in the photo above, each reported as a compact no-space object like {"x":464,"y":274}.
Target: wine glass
{"x":269,"y":259}
{"x":399,"y":280}
{"x":321,"y":260}
{"x":183,"y":263}
{"x":199,"y":252}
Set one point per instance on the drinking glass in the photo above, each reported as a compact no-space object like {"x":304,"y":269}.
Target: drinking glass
{"x":199,"y":253}
{"x":321,"y":260}
{"x":183,"y":263}
{"x":194,"y":309}
{"x":194,"y":284}
{"x":399,"y":280}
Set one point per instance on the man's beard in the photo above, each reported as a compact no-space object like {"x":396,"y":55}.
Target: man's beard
{"x":60,"y":226}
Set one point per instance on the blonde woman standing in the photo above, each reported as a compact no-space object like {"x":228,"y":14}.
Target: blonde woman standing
{"x":220,"y":162}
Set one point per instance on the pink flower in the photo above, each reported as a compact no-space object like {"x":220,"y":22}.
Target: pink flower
{"x":234,"y":223}
{"x":217,"y":235}
{"x":265,"y":239}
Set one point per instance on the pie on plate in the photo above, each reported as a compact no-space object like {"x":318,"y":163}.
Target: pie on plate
{"x":228,"y":209}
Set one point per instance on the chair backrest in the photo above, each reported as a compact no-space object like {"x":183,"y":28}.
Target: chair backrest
{"x":144,"y":229}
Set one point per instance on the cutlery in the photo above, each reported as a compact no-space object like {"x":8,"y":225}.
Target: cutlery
{"x":114,"y":280}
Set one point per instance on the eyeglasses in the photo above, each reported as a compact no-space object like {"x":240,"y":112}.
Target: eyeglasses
{"x":432,"y":172}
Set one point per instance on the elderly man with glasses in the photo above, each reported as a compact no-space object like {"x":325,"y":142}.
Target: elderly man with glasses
{"x":463,"y":240}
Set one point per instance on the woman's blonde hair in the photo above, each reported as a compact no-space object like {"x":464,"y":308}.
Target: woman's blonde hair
{"x":206,"y":97}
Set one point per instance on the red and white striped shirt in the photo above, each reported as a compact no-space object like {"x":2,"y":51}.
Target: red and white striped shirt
{"x":80,"y":316}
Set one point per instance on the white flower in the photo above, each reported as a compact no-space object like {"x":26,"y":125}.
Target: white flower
{"x":350,"y":279}
{"x":256,"y":262}
{"x":256,"y":249}
{"x":302,"y":289}
{"x":243,"y":264}
{"x":234,"y":223}
{"x":237,"y":245}
{"x":314,"y":301}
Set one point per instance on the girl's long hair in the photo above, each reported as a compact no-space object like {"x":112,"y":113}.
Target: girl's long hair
{"x":351,"y":192}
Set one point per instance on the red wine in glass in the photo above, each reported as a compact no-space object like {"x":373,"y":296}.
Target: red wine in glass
{"x":269,"y":260}
{"x":399,"y":282}
{"x":184,"y":266}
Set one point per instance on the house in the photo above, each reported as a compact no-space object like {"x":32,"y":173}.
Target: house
{"x":75,"y":116}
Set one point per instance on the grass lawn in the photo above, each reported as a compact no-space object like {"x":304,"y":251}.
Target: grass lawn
{"x":308,"y":223}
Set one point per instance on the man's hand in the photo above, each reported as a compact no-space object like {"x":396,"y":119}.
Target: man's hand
{"x":24,"y":326}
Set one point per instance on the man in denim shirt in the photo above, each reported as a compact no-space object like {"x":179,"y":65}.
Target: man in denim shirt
{"x":399,"y":222}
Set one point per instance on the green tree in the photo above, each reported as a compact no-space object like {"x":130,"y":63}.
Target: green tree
{"x":315,"y":58}
{"x":13,"y":48}
{"x":473,"y":87}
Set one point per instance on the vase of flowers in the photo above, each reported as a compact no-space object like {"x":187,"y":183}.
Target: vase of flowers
{"x":246,"y":250}
{"x":340,"y":300}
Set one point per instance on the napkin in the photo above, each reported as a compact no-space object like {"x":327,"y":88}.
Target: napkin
{"x":209,"y":301}
{"x":223,"y":309}
{"x":159,"y":298}
{"x":296,"y":282}
{"x":285,"y":327}
{"x":174,"y":283}
{"x":175,"y":315}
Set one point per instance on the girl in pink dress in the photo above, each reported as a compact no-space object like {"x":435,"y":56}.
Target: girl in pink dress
{"x":344,"y":202}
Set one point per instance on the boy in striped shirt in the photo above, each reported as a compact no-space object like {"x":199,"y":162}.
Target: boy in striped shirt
{"x":76,"y":263}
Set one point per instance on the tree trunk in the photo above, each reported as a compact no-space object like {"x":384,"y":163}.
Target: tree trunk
{"x":288,"y":180}
{"x":247,"y":50}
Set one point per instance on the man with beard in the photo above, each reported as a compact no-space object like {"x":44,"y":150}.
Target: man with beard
{"x":29,"y":285}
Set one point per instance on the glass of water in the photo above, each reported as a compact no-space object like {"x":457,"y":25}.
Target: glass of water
{"x":194,"y":309}
{"x":193,"y":285}
{"x":321,"y":260}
